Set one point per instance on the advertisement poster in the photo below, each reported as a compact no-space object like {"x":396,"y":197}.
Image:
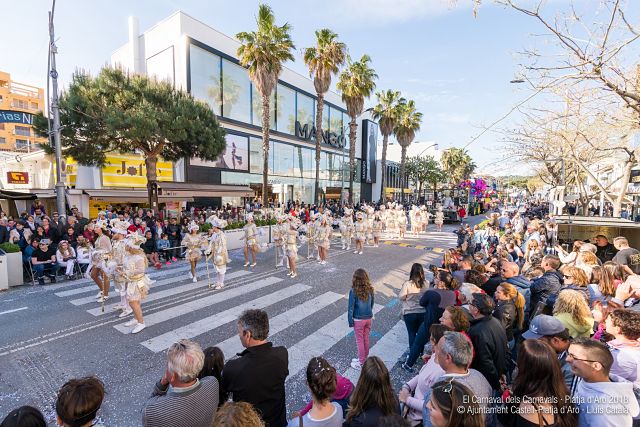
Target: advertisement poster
{"x":234,"y":157}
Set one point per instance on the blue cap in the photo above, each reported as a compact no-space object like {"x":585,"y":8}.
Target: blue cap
{"x":543,"y":326}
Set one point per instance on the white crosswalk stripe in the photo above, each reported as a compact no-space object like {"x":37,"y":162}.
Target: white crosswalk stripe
{"x":282,"y":321}
{"x":194,"y":329}
{"x":157,"y":295}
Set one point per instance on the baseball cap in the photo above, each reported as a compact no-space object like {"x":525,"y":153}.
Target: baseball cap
{"x":543,"y":325}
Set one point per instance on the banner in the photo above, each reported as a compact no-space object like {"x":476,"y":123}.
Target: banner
{"x":369,"y":149}
{"x":234,"y":157}
{"x":10,"y":116}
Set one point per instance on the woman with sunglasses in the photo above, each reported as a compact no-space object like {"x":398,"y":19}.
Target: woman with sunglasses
{"x":452,"y":404}
{"x":574,"y":279}
{"x":572,"y":310}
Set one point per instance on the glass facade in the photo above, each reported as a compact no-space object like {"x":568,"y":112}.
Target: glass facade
{"x":305,"y":110}
{"x":286,"y":109}
{"x":236,"y":92}
{"x":205,"y":77}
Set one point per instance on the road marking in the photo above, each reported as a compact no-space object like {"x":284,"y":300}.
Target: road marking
{"x":164,"y":341}
{"x":389,"y":348}
{"x":191,"y":306}
{"x":322,"y":340}
{"x":166,"y":293}
{"x":282,"y":321}
{"x":13,"y":311}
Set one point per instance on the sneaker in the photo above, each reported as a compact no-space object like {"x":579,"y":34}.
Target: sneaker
{"x":99,"y":294}
{"x":195,"y":279}
{"x":158,"y":265}
{"x":246,"y":264}
{"x":125,"y":313}
{"x":407,"y":368}
{"x":103,"y":299}
{"x":119,"y":307}
{"x":41,"y":282}
{"x":355,"y":252}
{"x":253,"y":264}
{"x":168,"y":263}
{"x":355,"y":359}
{"x":360,"y":252}
{"x":174,"y":259}
{"x":131,"y":322}
{"x":294,"y":275}
{"x":190,"y":275}
{"x":139,"y":327}
{"x":289,"y":273}
{"x":218,"y":286}
{"x":355,"y":364}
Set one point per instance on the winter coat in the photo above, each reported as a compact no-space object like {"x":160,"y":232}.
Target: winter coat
{"x":542,"y":287}
{"x":506,"y":313}
{"x":490,"y":343}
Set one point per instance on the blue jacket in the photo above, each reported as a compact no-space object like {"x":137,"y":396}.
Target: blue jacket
{"x":542,"y":287}
{"x":359,"y":309}
{"x":523,"y":286}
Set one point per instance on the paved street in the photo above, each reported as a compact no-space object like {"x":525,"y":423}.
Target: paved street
{"x":56,"y":332}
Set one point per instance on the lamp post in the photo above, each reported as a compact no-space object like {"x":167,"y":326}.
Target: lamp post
{"x":434,"y":145}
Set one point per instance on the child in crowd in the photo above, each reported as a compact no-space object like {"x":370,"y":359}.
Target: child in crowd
{"x":360,"y":314}
{"x":162,"y":246}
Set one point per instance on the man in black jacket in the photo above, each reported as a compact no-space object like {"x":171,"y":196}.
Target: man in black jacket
{"x":544,"y":286}
{"x":258,"y":375}
{"x":489,"y":340}
{"x":606,"y":251}
{"x":173,"y":232}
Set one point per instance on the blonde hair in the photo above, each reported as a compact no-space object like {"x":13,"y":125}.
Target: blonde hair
{"x":579,"y":276}
{"x":512,"y":292}
{"x":573,"y":303}
{"x":589,"y":258}
{"x":237,"y":414}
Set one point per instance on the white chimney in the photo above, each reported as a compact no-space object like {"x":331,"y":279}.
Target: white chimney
{"x":134,"y":45}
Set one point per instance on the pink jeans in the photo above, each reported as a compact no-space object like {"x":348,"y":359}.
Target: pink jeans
{"x":362,"y":329}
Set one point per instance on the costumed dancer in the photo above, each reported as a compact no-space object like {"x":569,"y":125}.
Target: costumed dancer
{"x":323,"y":237}
{"x":401,"y":219}
{"x":116,"y":261}
{"x":99,"y":257}
{"x":439,"y":219}
{"x":383,"y":216}
{"x":360,"y":231}
{"x":217,"y":250}
{"x":369,"y":210}
{"x":280,"y":242}
{"x":346,"y":228}
{"x":250,"y":240}
{"x":137,"y":282}
{"x":312,"y":231}
{"x":416,"y":220}
{"x":392,"y":225}
{"x":425,"y":217}
{"x":194,"y":242}
{"x":292,"y":245}
{"x":377,"y":229}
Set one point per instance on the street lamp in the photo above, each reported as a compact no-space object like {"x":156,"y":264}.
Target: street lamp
{"x":435,"y":145}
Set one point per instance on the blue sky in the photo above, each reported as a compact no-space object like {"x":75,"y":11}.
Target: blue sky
{"x":455,"y":66}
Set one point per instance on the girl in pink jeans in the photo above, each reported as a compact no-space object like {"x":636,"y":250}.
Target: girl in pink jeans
{"x":360,"y":314}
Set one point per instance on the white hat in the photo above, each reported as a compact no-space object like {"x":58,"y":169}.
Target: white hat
{"x":218,"y":223}
{"x":102,"y":223}
{"x":193,"y":226}
{"x":348,"y":211}
{"x":134,"y":240}
{"x":119,"y":227}
{"x":360,"y":215}
{"x":249,"y":217}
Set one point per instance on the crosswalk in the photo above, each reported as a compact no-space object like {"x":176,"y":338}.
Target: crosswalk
{"x":307,"y":319}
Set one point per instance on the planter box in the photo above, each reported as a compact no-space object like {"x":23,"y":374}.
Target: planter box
{"x":234,"y":242}
{"x":14,"y":268}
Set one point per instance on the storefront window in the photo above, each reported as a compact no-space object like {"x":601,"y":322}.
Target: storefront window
{"x":326,"y":117}
{"x":205,"y":77}
{"x":256,"y":111}
{"x":305,"y":110}
{"x":336,"y":121}
{"x":282,"y":159}
{"x":286,"y":110}
{"x":255,"y":155}
{"x":236,"y":92}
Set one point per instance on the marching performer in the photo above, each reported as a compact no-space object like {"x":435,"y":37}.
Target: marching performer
{"x":383,"y":216}
{"x":377,"y":229}
{"x":369,"y":210}
{"x":118,"y":253}
{"x":323,"y":238}
{"x":194,"y":242}
{"x":280,"y":241}
{"x":346,"y":228}
{"x":292,"y":245}
{"x":425,"y":217}
{"x":137,"y":282}
{"x":250,"y":240}
{"x":401,"y":219}
{"x":99,"y":258}
{"x":217,"y":250}
{"x":439,"y":220}
{"x":360,"y":231}
{"x":392,"y":226}
{"x":312,"y":231}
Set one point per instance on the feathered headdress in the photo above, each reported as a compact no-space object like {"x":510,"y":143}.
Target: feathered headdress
{"x":134,"y":240}
{"x":193,"y":226}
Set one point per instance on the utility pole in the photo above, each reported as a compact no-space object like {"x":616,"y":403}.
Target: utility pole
{"x":55,"y":110}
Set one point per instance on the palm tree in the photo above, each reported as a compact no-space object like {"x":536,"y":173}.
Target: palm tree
{"x":408,"y":123}
{"x":386,"y":113}
{"x":264,"y":51}
{"x":323,"y":61}
{"x":458,"y":164}
{"x":356,"y":83}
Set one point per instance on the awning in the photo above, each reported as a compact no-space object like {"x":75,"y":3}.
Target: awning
{"x":182,"y":189}
{"x":28,"y":194}
{"x":132,"y":195}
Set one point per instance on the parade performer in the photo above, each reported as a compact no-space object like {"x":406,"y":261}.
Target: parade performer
{"x":280,"y":241}
{"x":425,"y":217}
{"x":401,"y":219}
{"x":439,"y":220}
{"x":292,"y":245}
{"x":383,"y":216}
{"x":370,"y":211}
{"x":116,"y":261}
{"x":99,"y":257}
{"x":312,"y":231}
{"x":323,"y":237}
{"x":392,"y":225}
{"x":217,"y":250}
{"x":377,"y":229}
{"x":346,"y":228}
{"x":250,"y":240}
{"x":194,"y":243}
{"x":137,"y":282}
{"x":360,"y":231}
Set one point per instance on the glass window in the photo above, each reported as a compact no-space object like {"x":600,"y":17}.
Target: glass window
{"x":324,"y":173}
{"x":236,"y":92}
{"x":255,"y":155}
{"x":286,"y":109}
{"x":3,"y":140}
{"x":282,"y":159}
{"x":326,"y":112}
{"x":256,"y":111}
{"x":1,"y":126}
{"x":336,"y":121}
{"x":304,"y":164}
{"x":205,"y":77}
{"x":22,"y":144}
{"x":23,"y":131}
{"x":305,"y":111}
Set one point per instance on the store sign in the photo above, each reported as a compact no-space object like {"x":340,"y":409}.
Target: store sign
{"x":17,"y":177}
{"x":308,"y":132}
{"x":9,"y":116}
{"x":369,"y":150}
{"x":123,"y":170}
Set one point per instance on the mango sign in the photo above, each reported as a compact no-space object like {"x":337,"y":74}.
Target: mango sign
{"x":17,"y":177}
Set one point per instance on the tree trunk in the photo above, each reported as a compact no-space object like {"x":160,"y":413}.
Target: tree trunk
{"x":319,"y":109}
{"x":383,"y":166}
{"x":150,"y":162}
{"x":435,"y":191}
{"x":403,"y":159}
{"x":617,"y":205}
{"x":353,"y":129}
{"x":419,"y":192}
{"x":265,"y":147}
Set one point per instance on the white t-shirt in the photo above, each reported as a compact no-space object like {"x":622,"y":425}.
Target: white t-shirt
{"x":334,"y":420}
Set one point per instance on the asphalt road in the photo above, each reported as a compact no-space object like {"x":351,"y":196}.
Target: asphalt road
{"x":52,"y":333}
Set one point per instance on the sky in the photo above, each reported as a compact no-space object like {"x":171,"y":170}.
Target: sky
{"x":456,"y":67}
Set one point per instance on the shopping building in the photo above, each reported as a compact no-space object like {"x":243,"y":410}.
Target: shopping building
{"x":197,"y":58}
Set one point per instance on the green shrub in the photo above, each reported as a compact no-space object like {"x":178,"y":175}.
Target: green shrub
{"x":9,"y":247}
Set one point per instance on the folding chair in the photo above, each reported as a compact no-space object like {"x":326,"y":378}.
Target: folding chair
{"x":27,"y":273}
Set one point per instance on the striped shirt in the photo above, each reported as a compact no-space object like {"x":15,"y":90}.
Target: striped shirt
{"x":194,"y":406}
